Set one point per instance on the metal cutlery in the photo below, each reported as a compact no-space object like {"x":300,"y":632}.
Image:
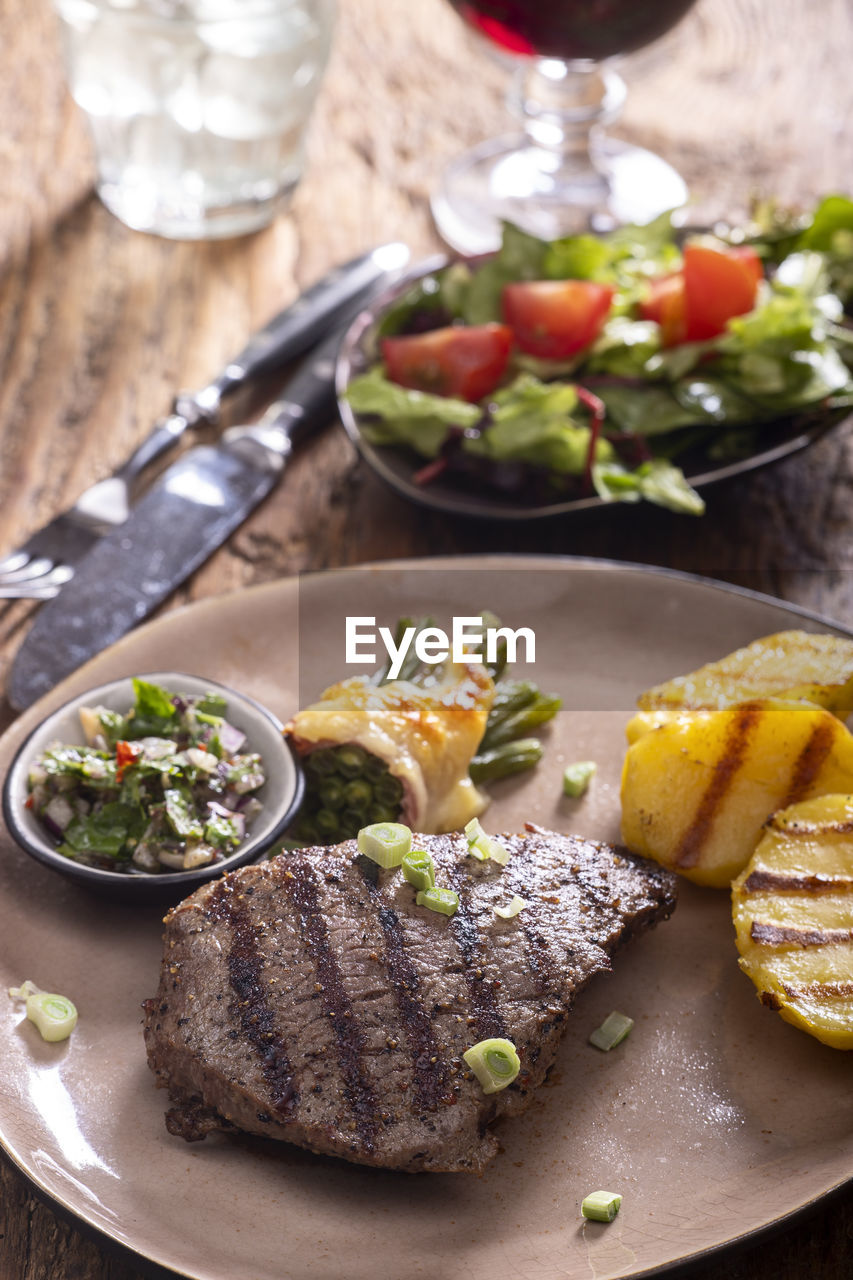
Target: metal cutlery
{"x":187,"y":513}
{"x":47,"y":560}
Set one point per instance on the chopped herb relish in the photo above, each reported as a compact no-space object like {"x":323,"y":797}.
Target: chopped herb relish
{"x":167,"y":787}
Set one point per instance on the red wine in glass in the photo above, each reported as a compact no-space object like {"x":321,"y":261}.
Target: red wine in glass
{"x":571,"y":29}
{"x":562,"y":174}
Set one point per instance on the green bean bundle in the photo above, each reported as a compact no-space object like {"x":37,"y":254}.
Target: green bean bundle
{"x":347,"y":787}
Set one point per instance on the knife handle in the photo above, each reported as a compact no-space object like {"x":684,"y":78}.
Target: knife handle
{"x":158,"y":441}
{"x":295,"y":330}
{"x":309,"y":401}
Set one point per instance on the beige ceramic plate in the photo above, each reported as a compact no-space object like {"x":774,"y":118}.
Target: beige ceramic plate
{"x":714,"y":1118}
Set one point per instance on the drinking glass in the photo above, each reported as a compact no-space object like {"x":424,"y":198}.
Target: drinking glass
{"x":198,"y":108}
{"x":563,"y":173}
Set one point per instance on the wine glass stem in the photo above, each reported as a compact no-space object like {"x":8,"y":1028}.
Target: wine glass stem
{"x":562,"y":107}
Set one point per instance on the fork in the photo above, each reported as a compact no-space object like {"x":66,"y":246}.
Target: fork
{"x":38,"y":568}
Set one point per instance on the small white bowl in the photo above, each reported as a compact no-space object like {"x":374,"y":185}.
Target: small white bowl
{"x":280,"y":795}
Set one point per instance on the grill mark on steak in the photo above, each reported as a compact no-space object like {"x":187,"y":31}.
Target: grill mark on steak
{"x":484,"y":1006}
{"x":251,"y":1006}
{"x":297,"y":879}
{"x":323,"y":913}
{"x":540,"y":957}
{"x":431,"y":1068}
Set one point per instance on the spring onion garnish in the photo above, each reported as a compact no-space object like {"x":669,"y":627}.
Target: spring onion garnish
{"x":509,"y":913}
{"x":483,"y":847}
{"x":601,"y":1206}
{"x":24,"y":991}
{"x":385,"y":842}
{"x":419,"y":869}
{"x":612,"y":1031}
{"x":494,"y":1062}
{"x":577,"y":777}
{"x":445,"y":901}
{"x":54,"y":1016}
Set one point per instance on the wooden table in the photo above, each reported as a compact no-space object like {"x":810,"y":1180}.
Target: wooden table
{"x":99,"y":326}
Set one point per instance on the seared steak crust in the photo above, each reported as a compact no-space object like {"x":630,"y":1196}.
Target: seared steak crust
{"x":309,"y":998}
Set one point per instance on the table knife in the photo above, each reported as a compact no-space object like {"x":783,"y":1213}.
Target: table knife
{"x":48,"y":558}
{"x":187,"y":513}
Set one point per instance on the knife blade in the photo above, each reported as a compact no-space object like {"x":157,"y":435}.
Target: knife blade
{"x":188,"y":512}
{"x":47,"y":559}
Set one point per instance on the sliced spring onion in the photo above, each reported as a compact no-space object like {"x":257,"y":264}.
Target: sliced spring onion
{"x":577,"y":777}
{"x":24,"y":991}
{"x":509,"y":913}
{"x":445,"y":901}
{"x":601,"y":1206}
{"x":475,"y":835}
{"x":484,"y":847}
{"x":419,"y":869}
{"x":494,"y":1062}
{"x":54,"y":1015}
{"x":612,"y":1031}
{"x":385,"y":842}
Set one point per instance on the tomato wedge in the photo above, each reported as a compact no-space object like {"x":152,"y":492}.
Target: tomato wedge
{"x":719,"y":283}
{"x":666,"y":304}
{"x":556,"y":318}
{"x":716,"y":283}
{"x":467,"y":361}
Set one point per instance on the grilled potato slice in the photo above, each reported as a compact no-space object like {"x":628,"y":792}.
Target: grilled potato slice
{"x":697,"y":790}
{"x":793,"y":913}
{"x":791,"y":665}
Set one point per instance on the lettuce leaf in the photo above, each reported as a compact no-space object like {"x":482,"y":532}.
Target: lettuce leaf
{"x":412,"y":419}
{"x":657,"y":481}
{"x":532,"y":422}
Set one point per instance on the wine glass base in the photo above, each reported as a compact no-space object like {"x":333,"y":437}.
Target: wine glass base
{"x":508,"y":180}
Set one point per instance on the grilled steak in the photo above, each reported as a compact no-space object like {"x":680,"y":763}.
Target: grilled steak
{"x":310,"y":999}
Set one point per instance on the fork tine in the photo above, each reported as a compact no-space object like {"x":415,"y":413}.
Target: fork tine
{"x":30,"y":571}
{"x":29,"y":591}
{"x":43,"y":588}
{"x":14,"y":560}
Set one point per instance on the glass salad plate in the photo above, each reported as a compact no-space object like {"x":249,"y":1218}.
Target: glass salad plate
{"x":714,"y":1119}
{"x":705,"y":406}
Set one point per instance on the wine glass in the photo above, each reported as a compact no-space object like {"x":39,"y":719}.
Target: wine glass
{"x":562,"y":174}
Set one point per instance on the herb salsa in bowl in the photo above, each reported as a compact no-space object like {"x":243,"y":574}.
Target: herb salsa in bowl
{"x":148,"y":786}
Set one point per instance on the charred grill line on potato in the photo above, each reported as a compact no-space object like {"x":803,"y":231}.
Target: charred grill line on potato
{"x":804,"y":770}
{"x":809,"y":762}
{"x":773,"y":935}
{"x":763,"y":881}
{"x":726,"y":769}
{"x":371,"y":1001}
{"x":698,"y":790}
{"x":793,"y":917}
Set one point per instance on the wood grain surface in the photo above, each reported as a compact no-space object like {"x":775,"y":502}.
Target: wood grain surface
{"x":99,"y":326}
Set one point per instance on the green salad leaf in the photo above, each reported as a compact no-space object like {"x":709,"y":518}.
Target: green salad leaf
{"x":657,"y":481}
{"x":532,"y":422}
{"x":403,"y":417}
{"x":720,"y":397}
